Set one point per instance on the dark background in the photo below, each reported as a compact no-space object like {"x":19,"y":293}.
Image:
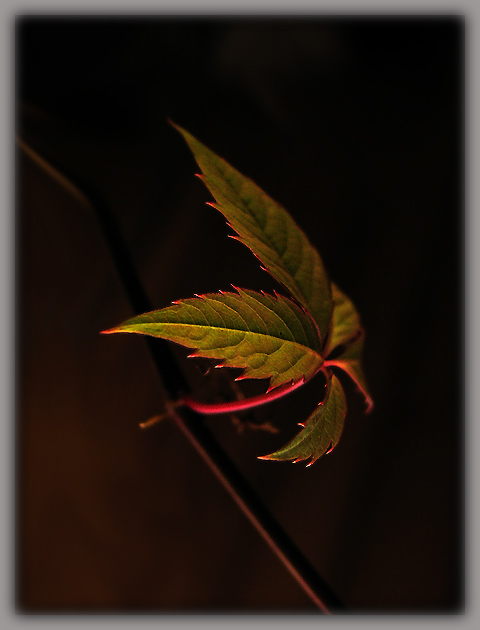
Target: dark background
{"x":356,"y":126}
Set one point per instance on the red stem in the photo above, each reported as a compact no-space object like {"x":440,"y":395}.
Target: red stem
{"x":240,"y":405}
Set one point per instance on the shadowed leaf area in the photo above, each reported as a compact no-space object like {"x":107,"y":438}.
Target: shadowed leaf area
{"x":345,"y":321}
{"x":350,"y":362}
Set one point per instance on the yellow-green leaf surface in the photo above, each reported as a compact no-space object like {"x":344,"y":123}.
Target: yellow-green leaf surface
{"x":345,"y":321}
{"x":269,"y":231}
{"x":271,"y":337}
{"x":321,"y":431}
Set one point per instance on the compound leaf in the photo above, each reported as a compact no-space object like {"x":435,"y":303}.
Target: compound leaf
{"x":321,"y":431}
{"x":271,"y":337}
{"x":269,"y":231}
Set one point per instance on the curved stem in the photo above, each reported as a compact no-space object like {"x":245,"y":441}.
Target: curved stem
{"x":240,"y":405}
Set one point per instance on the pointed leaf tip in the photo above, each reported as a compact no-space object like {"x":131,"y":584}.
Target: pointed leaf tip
{"x":174,"y":125}
{"x":111,"y":331}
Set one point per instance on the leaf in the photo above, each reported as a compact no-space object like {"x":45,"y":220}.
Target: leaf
{"x":268,"y":230}
{"x":350,"y":362}
{"x":346,"y":324}
{"x":346,"y":342}
{"x":321,"y":431}
{"x":271,"y":337}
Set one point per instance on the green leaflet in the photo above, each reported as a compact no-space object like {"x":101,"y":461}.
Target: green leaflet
{"x":321,"y":431}
{"x":269,"y":231}
{"x":346,"y":341}
{"x":350,"y":362}
{"x":271,"y":337}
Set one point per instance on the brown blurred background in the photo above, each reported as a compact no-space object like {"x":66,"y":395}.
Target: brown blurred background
{"x":356,"y":126}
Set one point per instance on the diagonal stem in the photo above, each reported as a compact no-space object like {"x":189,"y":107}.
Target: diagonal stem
{"x":189,"y":422}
